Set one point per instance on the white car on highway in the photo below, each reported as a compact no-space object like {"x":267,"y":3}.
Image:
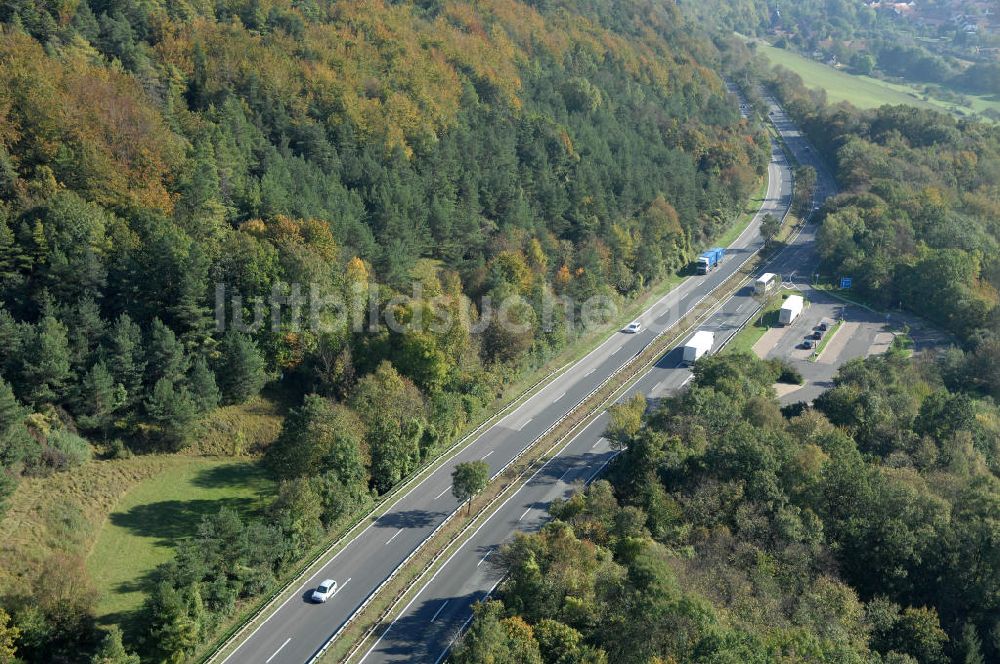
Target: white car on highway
{"x":324,"y":591}
{"x":633,"y":327}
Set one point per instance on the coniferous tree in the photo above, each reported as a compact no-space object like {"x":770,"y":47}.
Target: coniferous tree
{"x":45,"y":372}
{"x":242,"y":373}
{"x":100,"y":397}
{"x":86,"y":329}
{"x":174,"y":631}
{"x":16,"y":445}
{"x":204,"y":389}
{"x":173,"y":409}
{"x":125,"y":356}
{"x":112,"y":650}
{"x":165,"y":355}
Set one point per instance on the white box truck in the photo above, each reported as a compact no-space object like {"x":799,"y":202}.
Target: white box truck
{"x":790,"y":310}
{"x":698,"y":345}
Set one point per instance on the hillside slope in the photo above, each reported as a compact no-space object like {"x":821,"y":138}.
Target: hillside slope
{"x":155,"y":154}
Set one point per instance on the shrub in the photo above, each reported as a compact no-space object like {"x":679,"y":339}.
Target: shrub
{"x":789,"y":374}
{"x":67,"y":450}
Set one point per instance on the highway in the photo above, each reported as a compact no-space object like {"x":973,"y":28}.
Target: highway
{"x":426,"y":627}
{"x":297,"y":630}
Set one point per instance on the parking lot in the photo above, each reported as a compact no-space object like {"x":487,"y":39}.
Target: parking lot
{"x":862,"y":333}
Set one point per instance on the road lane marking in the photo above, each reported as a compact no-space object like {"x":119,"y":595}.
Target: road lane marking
{"x":597,"y":443}
{"x":488,"y":519}
{"x":268,"y":660}
{"x":445,"y":651}
{"x":525,"y":513}
{"x":525,"y":423}
{"x":438,"y":612}
{"x":488,"y":554}
{"x":559,"y":397}
{"x":590,"y":372}
{"x":616,"y":350}
{"x":566,"y":473}
{"x":488,"y":454}
{"x":443,"y":492}
{"x":687,"y":380}
{"x":393,"y":537}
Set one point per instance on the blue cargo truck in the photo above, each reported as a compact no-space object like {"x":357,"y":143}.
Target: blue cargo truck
{"x":710,"y":260}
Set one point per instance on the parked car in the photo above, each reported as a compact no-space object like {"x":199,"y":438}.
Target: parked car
{"x":324,"y":591}
{"x":823,"y":326}
{"x":817,"y":335}
{"x":633,"y":327}
{"x":808,"y":343}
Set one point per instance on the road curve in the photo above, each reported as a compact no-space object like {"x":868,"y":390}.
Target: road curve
{"x":296,"y":631}
{"x":425,"y":629}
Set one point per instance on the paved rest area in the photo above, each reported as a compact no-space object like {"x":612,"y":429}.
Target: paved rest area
{"x":863,"y":333}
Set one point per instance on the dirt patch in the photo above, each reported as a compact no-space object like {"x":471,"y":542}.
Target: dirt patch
{"x":784,"y":389}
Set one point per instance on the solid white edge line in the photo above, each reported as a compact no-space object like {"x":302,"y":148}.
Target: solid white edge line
{"x":589,"y":479}
{"x":675,"y":292}
{"x":494,"y":586}
{"x":462,"y":546}
{"x":275,"y":654}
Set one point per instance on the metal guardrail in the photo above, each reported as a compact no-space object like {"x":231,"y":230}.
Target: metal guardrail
{"x":393,"y":496}
{"x":584,"y":420}
{"x":591,"y":412}
{"x":385,"y":502}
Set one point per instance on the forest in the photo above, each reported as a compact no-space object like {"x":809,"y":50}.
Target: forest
{"x":861,"y":529}
{"x":916,"y":222}
{"x":152,"y":151}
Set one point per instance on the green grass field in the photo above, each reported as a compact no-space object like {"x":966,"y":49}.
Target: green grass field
{"x":144,"y":527}
{"x":744,"y":341}
{"x":865,"y":91}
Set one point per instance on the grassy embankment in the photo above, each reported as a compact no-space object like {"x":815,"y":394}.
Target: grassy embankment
{"x":866,"y":91}
{"x":121,"y":516}
{"x":767,"y":318}
{"x":145,"y":526}
{"x":124,"y":516}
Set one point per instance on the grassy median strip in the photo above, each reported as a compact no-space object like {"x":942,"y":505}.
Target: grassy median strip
{"x":525,"y":388}
{"x":825,"y":340}
{"x":364,"y":626}
{"x":763,"y":320}
{"x":350,"y":641}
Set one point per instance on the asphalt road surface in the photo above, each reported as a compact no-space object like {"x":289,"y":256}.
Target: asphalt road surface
{"x":297,"y":629}
{"x":425,"y":628}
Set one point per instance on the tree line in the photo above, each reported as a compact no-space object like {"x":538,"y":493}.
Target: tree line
{"x":914,"y":224}
{"x":857,"y":530}
{"x":151,"y":151}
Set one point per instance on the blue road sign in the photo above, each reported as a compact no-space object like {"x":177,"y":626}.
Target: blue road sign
{"x":845,"y":282}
